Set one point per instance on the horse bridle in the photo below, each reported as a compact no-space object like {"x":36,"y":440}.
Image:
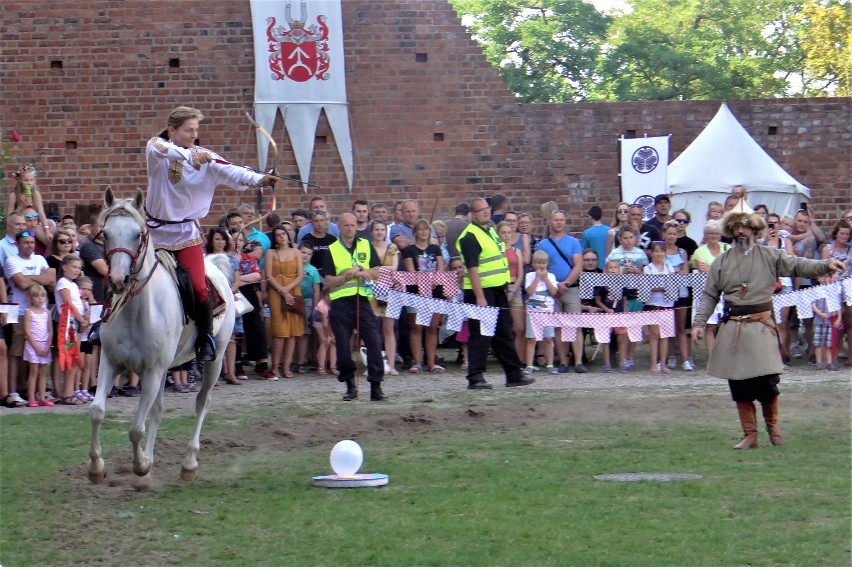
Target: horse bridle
{"x":135,"y":285}
{"x":134,"y":256}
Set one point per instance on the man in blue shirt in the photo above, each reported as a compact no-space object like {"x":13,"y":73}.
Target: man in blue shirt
{"x":565,"y":261}
{"x":594,"y":237}
{"x":318,"y":204}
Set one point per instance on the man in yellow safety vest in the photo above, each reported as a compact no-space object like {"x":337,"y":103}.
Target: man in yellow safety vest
{"x":485,"y":283}
{"x":347,"y":267}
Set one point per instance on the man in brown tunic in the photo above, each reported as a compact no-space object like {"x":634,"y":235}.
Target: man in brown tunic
{"x":746,"y":352}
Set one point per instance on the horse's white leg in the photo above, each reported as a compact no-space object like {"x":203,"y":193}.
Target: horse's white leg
{"x":97,"y":471}
{"x":154,"y":423}
{"x":189,"y":470}
{"x":150,"y":382}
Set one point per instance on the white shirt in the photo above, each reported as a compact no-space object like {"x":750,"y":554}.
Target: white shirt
{"x":8,"y":248}
{"x":540,"y":300}
{"x":32,"y":266}
{"x":76,"y":300}
{"x":658,"y":298}
{"x":178,"y":191}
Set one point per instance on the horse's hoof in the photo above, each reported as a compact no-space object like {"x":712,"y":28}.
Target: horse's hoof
{"x":188,"y":474}
{"x":97,"y":477}
{"x":142,"y":470}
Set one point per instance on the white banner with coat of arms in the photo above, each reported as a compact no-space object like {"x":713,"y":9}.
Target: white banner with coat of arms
{"x":299,"y":72}
{"x":644,"y":162}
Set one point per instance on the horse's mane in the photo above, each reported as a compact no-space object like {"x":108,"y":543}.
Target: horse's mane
{"x":125,"y":205}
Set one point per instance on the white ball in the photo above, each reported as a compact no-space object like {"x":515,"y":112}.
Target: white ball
{"x":346,"y":458}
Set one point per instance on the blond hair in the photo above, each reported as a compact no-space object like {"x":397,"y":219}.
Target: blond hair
{"x":540,"y":255}
{"x":181,"y":114}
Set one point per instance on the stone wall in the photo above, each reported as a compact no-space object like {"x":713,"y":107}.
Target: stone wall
{"x":87,"y":83}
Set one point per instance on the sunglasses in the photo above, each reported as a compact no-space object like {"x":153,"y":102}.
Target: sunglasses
{"x":31,"y":216}
{"x":682,"y":221}
{"x":25,"y":233}
{"x":64,"y":241}
{"x":849,"y":218}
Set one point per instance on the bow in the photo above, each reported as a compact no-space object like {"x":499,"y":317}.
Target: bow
{"x":272,"y":144}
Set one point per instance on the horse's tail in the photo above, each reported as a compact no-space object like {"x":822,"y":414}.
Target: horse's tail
{"x":222,"y":262}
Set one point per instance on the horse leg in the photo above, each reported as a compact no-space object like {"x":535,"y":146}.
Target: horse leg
{"x":106,"y":371}
{"x":189,"y":469}
{"x":151,"y":381}
{"x":154,"y":422}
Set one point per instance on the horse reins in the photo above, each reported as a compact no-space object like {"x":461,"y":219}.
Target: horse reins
{"x":136,"y":285}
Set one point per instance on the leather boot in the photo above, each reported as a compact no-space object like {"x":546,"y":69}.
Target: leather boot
{"x":748,"y":419}
{"x":376,"y":394}
{"x":205,"y":344}
{"x":351,"y":391}
{"x":770,"y":417}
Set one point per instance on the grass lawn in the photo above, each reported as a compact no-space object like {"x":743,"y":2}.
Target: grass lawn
{"x":514,"y":491}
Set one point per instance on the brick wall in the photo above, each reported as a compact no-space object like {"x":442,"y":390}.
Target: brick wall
{"x":430,"y":117}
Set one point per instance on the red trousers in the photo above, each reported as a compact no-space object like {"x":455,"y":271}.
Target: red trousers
{"x":192,"y":260}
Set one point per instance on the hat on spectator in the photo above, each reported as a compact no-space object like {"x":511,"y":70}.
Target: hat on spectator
{"x":662,"y":197}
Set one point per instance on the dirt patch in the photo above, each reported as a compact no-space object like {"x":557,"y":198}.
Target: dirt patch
{"x":307,"y":411}
{"x":394,"y":425}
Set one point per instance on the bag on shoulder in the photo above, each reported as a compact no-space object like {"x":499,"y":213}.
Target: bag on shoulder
{"x":241,"y":304}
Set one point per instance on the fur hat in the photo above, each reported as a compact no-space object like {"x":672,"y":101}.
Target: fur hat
{"x":735,"y":218}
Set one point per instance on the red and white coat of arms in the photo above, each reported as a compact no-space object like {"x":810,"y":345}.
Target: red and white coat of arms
{"x":299,"y":53}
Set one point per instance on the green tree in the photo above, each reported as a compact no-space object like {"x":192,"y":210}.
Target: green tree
{"x":698,"y":49}
{"x":546,"y":51}
{"x":825,"y":36}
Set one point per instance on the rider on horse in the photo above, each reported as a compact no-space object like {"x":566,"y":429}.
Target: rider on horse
{"x":181,"y":180}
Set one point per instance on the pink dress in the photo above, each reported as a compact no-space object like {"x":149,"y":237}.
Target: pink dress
{"x":41,"y":334}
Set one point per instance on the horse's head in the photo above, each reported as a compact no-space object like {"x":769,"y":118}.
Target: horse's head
{"x":125,"y":237}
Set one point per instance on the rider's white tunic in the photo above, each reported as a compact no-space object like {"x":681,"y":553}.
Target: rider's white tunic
{"x":179,"y":190}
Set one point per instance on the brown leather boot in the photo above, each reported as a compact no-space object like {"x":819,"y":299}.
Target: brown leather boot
{"x":748,"y":419}
{"x":770,"y":417}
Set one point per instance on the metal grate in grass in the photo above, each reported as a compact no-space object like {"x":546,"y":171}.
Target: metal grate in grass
{"x":634,"y":477}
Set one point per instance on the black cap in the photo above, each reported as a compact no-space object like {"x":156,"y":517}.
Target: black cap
{"x":662,"y":197}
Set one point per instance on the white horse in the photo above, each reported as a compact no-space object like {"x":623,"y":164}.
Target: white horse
{"x":146,"y":333}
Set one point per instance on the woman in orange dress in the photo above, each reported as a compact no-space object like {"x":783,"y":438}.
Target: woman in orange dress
{"x":283,"y":272}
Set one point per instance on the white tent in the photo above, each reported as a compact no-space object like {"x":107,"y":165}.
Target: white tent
{"x":722,"y":156}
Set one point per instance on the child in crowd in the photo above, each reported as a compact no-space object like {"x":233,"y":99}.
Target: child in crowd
{"x":69,"y":304}
{"x":310,"y":285}
{"x":678,"y":260}
{"x":540,"y":286}
{"x":38,"y":332}
{"x":631,"y":260}
{"x":824,"y":321}
{"x":87,"y":380}
{"x":457,"y":266}
{"x":26,"y":194}
{"x":327,"y":351}
{"x":608,"y":305}
{"x":714,"y":210}
{"x":656,"y":302}
{"x":506,"y":232}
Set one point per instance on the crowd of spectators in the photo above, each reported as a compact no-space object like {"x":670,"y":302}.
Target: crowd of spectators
{"x":278,"y":261}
